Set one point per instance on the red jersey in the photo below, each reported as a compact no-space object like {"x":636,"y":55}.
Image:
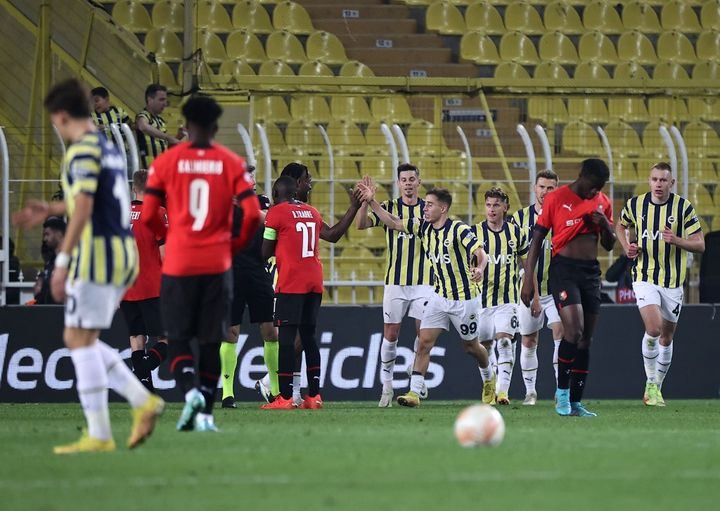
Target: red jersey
{"x":297,"y":231}
{"x":200,"y":185}
{"x":148,"y":243}
{"x":565,"y":214}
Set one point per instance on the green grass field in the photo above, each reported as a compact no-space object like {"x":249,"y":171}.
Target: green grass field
{"x":355,"y":456}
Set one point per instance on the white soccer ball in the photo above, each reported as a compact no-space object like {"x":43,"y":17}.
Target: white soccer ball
{"x":479,"y":425}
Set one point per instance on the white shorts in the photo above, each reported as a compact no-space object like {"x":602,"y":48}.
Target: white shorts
{"x":501,"y":318}
{"x":463,"y":314}
{"x":91,"y":306}
{"x":401,"y":300}
{"x":529,"y":324}
{"x":669,"y":299}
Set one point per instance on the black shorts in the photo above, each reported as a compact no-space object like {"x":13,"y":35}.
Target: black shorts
{"x":254,"y":289}
{"x":143,"y":317}
{"x":575,"y":282}
{"x":197,"y":306}
{"x":297,"y":309}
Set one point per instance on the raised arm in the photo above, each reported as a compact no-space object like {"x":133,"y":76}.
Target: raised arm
{"x":334,"y":233}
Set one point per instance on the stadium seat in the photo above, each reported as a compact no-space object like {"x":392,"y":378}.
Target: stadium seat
{"x":325,"y":47}
{"x":304,"y":138}
{"x":517,"y":47}
{"x":346,"y":137}
{"x":370,"y":238}
{"x":557,"y":47}
{"x":213,"y":50}
{"x":550,"y":110}
{"x":597,"y":47}
{"x":676,"y":47}
{"x":703,"y":171}
{"x":640,"y":16}
{"x":679,"y":15}
{"x":710,"y":15}
{"x":444,"y":18}
{"x":669,"y":71}
{"x":701,"y":139}
{"x":243,"y":44}
{"x":312,"y":108}
{"x":705,"y":108}
{"x":551,"y":71}
{"x":700,"y":198}
{"x":478,"y":48}
{"x":236,"y":69}
{"x":424,"y":138}
{"x":603,"y":17}
{"x":635,"y":47}
{"x":250,"y":15}
{"x":376,"y":143}
{"x":511,"y":70}
{"x":212,"y":15}
{"x":351,"y":107}
{"x":561,"y":17}
{"x":708,"y":70}
{"x":667,"y":108}
{"x":624,"y":140}
{"x":630,"y":71}
{"x":391,"y":109}
{"x":169,"y":14}
{"x":588,"y":109}
{"x":283,"y":45}
{"x":292,"y":17}
{"x":315,"y":68}
{"x":591,"y":71}
{"x":275,"y":68}
{"x":461,"y":198}
{"x":629,"y":109}
{"x":271,"y":108}
{"x":653,"y":143}
{"x":708,"y":45}
{"x":132,"y":15}
{"x":483,"y":17}
{"x":523,"y":17}
{"x":355,"y":68}
{"x":166,"y":45}
{"x":579,"y":137}
{"x":166,"y":76}
{"x":624,"y":171}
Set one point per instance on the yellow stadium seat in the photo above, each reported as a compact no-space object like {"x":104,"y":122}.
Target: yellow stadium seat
{"x":591,"y":71}
{"x":701,"y":139}
{"x":425,"y":139}
{"x":708,"y":70}
{"x":700,"y":198}
{"x":310,"y":108}
{"x":444,"y":18}
{"x":213,"y":50}
{"x":511,"y":70}
{"x":639,"y":15}
{"x":557,"y":47}
{"x":236,"y":69}
{"x":132,"y":15}
{"x":483,"y":17}
{"x":314,"y":68}
{"x":669,"y":71}
{"x":325,"y":47}
{"x":517,"y":47}
{"x":597,"y":47}
{"x":283,"y":45}
{"x":275,"y":68}
{"x":391,"y":109}
{"x":624,"y":172}
{"x":478,"y":48}
{"x":706,"y":108}
{"x":345,"y":169}
{"x":523,"y":17}
{"x":271,"y":108}
{"x":212,"y":15}
{"x":376,"y":143}
{"x":351,"y":107}
{"x":653,"y":143}
{"x":703,"y":171}
{"x":708,"y":45}
{"x":355,"y":68}
{"x":630,"y":70}
{"x":346,"y":137}
{"x":292,"y":17}
{"x":710,"y":15}
{"x":629,"y":109}
{"x":166,"y":45}
{"x":588,"y":109}
{"x":624,"y":140}
{"x":562,"y":17}
{"x":370,"y":238}
{"x":304,"y":138}
{"x":676,"y":47}
{"x":166,"y":76}
{"x":169,"y":14}
{"x":275,"y":138}
{"x":667,"y":108}
{"x":679,"y":15}
{"x":603,"y":17}
{"x":579,"y":137}
{"x":243,"y":44}
{"x":549,"y":110}
{"x":634,"y":46}
{"x":551,"y":71}
{"x":461,"y":198}
{"x":250,"y":15}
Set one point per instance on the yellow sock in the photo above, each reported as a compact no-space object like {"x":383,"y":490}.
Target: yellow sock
{"x":271,"y":350}
{"x":228,"y":363}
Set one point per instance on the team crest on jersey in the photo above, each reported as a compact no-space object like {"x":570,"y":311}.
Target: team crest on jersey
{"x":472,"y":316}
{"x":512,"y":244}
{"x":447,"y":242}
{"x":671,"y":220}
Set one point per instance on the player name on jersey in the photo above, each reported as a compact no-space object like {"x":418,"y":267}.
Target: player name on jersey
{"x":302,"y":214}
{"x":200,"y":167}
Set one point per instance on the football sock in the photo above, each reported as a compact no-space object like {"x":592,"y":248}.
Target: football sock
{"x":663,"y":362}
{"x":182,"y":365}
{"x":121,"y":378}
{"x":296,"y":385}
{"x":417,"y":382}
{"x":156,"y":355}
{"x":492,"y":357}
{"x":266,"y":380}
{"x":566,"y":357}
{"x":579,"y":374}
{"x":270,"y":353}
{"x":92,"y":387}
{"x":650,"y":353}
{"x":388,"y":354}
{"x":416,"y":344}
{"x":529,"y":366}
{"x":209,"y":367}
{"x":504,"y":364}
{"x":141,"y":369}
{"x":228,"y":363}
{"x":486,"y":373}
{"x":286,"y":360}
{"x":555,"y":357}
{"x":312,"y":359}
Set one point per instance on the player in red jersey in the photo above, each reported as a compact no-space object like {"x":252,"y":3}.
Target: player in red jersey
{"x":196,"y":290}
{"x":141,"y":304}
{"x":578,"y":214}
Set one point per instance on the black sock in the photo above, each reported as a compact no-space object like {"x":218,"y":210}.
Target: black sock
{"x":312,"y":359}
{"x":286,"y":359}
{"x":578,"y":375}
{"x":141,"y":369}
{"x":182,"y":365}
{"x":209,"y":373}
{"x":156,"y":355}
{"x":566,"y":358}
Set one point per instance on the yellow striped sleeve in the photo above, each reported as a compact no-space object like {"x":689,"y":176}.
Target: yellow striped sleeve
{"x":691,"y":223}
{"x":84,"y":167}
{"x":372,"y":216}
{"x":523,"y":242}
{"x":627,"y":216}
{"x":468,"y":238}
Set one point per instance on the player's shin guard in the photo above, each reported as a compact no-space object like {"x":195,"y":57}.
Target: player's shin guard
{"x":529,"y":366}
{"x":566,"y":358}
{"x":209,"y":373}
{"x":312,"y":359}
{"x":388,"y":354}
{"x":157,"y":355}
{"x":270,"y":353}
{"x":504,"y":364}
{"x":121,"y":378}
{"x":650,"y":353}
{"x":286,"y":359}
{"x":182,"y":365}
{"x":663,"y":362}
{"x":579,"y":374}
{"x":92,"y":387}
{"x":228,"y":364}
{"x":556,"y":342}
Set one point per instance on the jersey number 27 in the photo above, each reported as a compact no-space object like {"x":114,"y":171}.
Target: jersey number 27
{"x":308,"y":237}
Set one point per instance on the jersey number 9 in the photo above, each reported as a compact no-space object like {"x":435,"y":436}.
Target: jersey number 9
{"x":199,"y":202}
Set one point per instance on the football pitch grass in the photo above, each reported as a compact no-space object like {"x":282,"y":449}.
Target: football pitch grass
{"x":356,"y":456}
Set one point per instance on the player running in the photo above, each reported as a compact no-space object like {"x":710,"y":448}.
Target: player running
{"x":578,"y":214}
{"x":506,"y":245}
{"x":96,"y":264}
{"x":658,"y":229}
{"x":531,"y":318}
{"x":408,"y":278}
{"x":200,"y":180}
{"x":458,"y":261}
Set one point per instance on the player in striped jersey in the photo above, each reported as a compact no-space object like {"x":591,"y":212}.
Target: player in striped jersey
{"x":530,"y":319}
{"x":408,"y":279}
{"x":458,"y":262}
{"x":97,"y":262}
{"x":152,"y":136}
{"x":658,"y":229}
{"x":504,"y":243}
{"x":105,"y":114}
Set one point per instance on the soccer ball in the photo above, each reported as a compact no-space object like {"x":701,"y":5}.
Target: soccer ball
{"x":479,"y":425}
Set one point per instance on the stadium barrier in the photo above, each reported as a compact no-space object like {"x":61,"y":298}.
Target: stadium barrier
{"x":34,"y":366}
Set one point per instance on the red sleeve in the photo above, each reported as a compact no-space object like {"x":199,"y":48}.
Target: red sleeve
{"x":246,"y":200}
{"x":546,"y":217}
{"x":271,"y":219}
{"x":152,"y":203}
{"x":162,"y":213}
{"x":608,"y":210}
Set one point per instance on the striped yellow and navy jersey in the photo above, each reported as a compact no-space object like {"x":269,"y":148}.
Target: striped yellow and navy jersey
{"x":658,"y":262}
{"x":504,"y":249}
{"x":150,"y":147}
{"x":106,"y":252}
{"x":407,"y":264}
{"x":450,"y":250}
{"x":114,"y":115}
{"x":525,"y":219}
